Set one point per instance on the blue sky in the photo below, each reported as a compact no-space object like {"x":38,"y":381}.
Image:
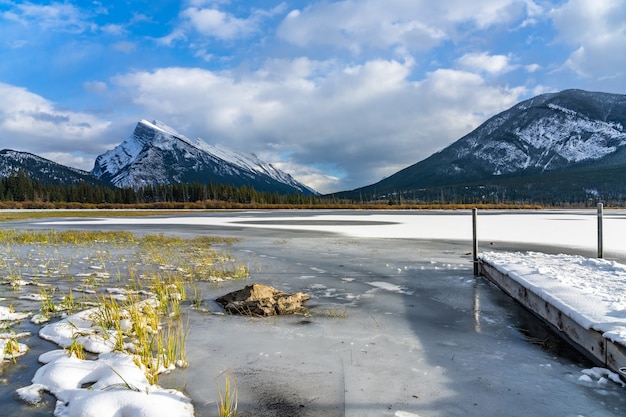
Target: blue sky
{"x":338,"y":93}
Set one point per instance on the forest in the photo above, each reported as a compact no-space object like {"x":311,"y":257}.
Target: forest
{"x":19,"y":187}
{"x":19,"y":190}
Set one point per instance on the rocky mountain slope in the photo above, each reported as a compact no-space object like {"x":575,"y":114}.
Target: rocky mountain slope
{"x":157,"y":154}
{"x":572,"y":142}
{"x":43,"y":170}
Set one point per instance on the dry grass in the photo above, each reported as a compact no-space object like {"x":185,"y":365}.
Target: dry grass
{"x":227,"y":405}
{"x":35,"y":211}
{"x":8,"y":216}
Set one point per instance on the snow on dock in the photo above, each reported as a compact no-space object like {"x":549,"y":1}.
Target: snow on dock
{"x":584,"y":299}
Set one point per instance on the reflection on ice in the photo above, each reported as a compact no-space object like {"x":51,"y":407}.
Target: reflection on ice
{"x":476,"y":309}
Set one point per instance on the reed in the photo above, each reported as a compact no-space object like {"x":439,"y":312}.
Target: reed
{"x":11,"y":349}
{"x":339,"y":313}
{"x":47,"y":306}
{"x":67,"y":237}
{"x":228,"y":396}
{"x":76,"y":349}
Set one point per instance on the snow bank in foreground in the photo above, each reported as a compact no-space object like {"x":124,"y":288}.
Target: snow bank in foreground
{"x":10,"y":348}
{"x":113,"y":385}
{"x":79,"y":327}
{"x":590,"y":291}
{"x":7,"y":314}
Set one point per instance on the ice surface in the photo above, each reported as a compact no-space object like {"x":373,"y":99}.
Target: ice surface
{"x":398,"y":325}
{"x":570,"y":229}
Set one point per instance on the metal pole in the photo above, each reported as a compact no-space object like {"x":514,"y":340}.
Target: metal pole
{"x":600,"y":240}
{"x":475,"y":241}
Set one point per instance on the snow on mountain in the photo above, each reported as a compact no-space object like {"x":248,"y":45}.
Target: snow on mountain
{"x":146,"y":133}
{"x":557,"y":134}
{"x":546,"y":133}
{"x":250,"y":162}
{"x":41,"y":169}
{"x":158,"y":154}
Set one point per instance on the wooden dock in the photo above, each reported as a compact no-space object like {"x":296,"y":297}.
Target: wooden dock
{"x":591,"y":343}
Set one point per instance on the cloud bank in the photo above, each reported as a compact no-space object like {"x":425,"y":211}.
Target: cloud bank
{"x":339,"y":94}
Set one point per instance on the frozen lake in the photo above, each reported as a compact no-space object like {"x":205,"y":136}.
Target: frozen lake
{"x":414,"y":333}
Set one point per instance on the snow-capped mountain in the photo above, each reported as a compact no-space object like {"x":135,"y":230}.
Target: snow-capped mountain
{"x":546,"y":138}
{"x":43,"y":170}
{"x":157,"y":154}
{"x":546,"y":133}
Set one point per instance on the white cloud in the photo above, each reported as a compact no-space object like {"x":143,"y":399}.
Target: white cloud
{"x":579,"y":21}
{"x":534,"y":12}
{"x":207,"y":3}
{"x":532,"y":67}
{"x":125,"y":47}
{"x":113,"y":29}
{"x":483,"y":62}
{"x":355,"y":25}
{"x":336,"y":122}
{"x":69,"y":160}
{"x":486,"y":13}
{"x":370,"y":120}
{"x":173,"y":37}
{"x":213,"y":22}
{"x":597,"y":30}
{"x":55,"y":16}
{"x":36,"y":125}
{"x":318,"y":179}
{"x":415,"y":25}
{"x":97,"y":87}
{"x":17,"y":43}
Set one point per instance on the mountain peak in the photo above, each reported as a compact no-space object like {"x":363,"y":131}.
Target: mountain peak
{"x":162,"y":130}
{"x":158,"y":154}
{"x":159,"y":125}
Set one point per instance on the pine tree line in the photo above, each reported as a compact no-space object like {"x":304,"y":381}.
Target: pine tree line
{"x":18,"y":186}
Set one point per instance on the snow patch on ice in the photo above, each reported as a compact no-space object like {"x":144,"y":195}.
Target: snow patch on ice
{"x":390,"y":287}
{"x":600,"y":376}
{"x":7,"y":314}
{"x":79,"y":327}
{"x":105,"y":387}
{"x":405,"y":414}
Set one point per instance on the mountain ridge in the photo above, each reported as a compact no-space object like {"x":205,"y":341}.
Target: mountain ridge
{"x":44,"y":170}
{"x":156,"y":153}
{"x":549,"y":134}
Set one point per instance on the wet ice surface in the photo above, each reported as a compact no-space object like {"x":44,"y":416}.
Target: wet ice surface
{"x":398,"y":327}
{"x":433,"y":341}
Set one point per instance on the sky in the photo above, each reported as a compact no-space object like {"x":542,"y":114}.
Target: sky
{"x":340,"y":94}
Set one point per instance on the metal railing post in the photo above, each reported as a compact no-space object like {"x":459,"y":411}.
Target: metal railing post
{"x":600,"y":239}
{"x":475,"y":240}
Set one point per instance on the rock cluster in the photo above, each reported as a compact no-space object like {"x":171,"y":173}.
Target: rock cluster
{"x":262,"y":300}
